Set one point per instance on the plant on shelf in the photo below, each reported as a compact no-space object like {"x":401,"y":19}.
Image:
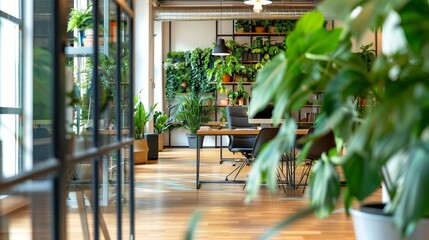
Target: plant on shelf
{"x":367,"y":55}
{"x":80,"y":19}
{"x":389,"y":146}
{"x":232,"y":96}
{"x":238,"y":97}
{"x":365,"y":103}
{"x":247,"y":50}
{"x":236,"y":49}
{"x":244,"y":73}
{"x":257,"y":47}
{"x":222,"y":71}
{"x":242,"y":94}
{"x":284,"y":26}
{"x":260,"y":26}
{"x":243,"y":26}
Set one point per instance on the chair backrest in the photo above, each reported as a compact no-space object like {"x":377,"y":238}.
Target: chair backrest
{"x":237,"y":117}
{"x":264,"y":136}
{"x":321,"y":145}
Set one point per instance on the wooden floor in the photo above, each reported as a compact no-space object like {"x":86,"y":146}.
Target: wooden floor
{"x":166,"y":197}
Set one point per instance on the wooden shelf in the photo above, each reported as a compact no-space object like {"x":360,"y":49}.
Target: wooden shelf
{"x":244,"y":62}
{"x":259,"y":34}
{"x":233,"y":83}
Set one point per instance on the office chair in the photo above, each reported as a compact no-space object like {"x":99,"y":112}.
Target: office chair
{"x":237,"y":119}
{"x":319,"y":146}
{"x":264,"y":136}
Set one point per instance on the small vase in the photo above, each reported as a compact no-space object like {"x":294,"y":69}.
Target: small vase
{"x":226,"y":78}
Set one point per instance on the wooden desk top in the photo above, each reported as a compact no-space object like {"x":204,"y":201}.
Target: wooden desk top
{"x":240,"y":132}
{"x":228,"y":132}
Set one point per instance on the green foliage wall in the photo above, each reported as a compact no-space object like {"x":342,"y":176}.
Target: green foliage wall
{"x":188,"y":67}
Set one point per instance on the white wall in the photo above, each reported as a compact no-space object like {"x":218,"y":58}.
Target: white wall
{"x":185,"y":35}
{"x":188,"y":35}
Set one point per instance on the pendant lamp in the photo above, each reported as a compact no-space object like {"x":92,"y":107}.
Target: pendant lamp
{"x":220,"y":49}
{"x":257,"y":4}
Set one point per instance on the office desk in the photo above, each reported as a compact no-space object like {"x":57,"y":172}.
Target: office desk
{"x":222,"y":132}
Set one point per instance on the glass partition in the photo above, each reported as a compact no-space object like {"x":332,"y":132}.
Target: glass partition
{"x":10,"y":90}
{"x":64,"y":151}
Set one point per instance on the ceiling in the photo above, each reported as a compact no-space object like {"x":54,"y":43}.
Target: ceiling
{"x":189,"y":10}
{"x":195,"y":3}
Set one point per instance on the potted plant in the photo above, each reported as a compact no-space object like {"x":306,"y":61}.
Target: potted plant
{"x":222,"y":71}
{"x":160,"y":125}
{"x":389,"y":145}
{"x":272,"y":27}
{"x":260,"y":26}
{"x":284,"y":26}
{"x":257,"y":49}
{"x":191,"y":113}
{"x":141,"y":117}
{"x":243,"y":73}
{"x":232,"y":96}
{"x":236,"y":49}
{"x":242,"y":26}
{"x":242,"y":94}
{"x":80,"y":20}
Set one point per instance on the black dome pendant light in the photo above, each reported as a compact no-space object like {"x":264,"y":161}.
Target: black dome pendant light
{"x":220,"y":49}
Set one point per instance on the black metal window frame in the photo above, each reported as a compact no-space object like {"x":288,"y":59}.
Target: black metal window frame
{"x":61,"y":162}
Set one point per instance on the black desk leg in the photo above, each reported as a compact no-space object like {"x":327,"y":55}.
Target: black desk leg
{"x":198,"y":162}
{"x":221,"y":158}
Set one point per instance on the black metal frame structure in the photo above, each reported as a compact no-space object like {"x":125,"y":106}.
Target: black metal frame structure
{"x":54,"y":170}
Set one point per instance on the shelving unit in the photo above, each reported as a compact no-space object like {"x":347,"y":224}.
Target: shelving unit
{"x":308,"y":113}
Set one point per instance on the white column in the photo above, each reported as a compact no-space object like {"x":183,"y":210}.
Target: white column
{"x":144,"y":52}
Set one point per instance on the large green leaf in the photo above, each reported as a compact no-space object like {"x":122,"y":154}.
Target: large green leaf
{"x":361,"y":176}
{"x":264,"y":168}
{"x":325,"y":187}
{"x":268,"y":79}
{"x":416,"y":31}
{"x":412,"y":204}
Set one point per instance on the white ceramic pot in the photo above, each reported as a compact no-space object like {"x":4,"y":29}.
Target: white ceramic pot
{"x":370,"y":226}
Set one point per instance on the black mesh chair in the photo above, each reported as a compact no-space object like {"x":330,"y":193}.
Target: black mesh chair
{"x":264,"y":136}
{"x":237,"y":119}
{"x":319,"y":146}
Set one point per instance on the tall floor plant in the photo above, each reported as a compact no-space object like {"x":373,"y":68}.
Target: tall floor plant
{"x":321,"y":60}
